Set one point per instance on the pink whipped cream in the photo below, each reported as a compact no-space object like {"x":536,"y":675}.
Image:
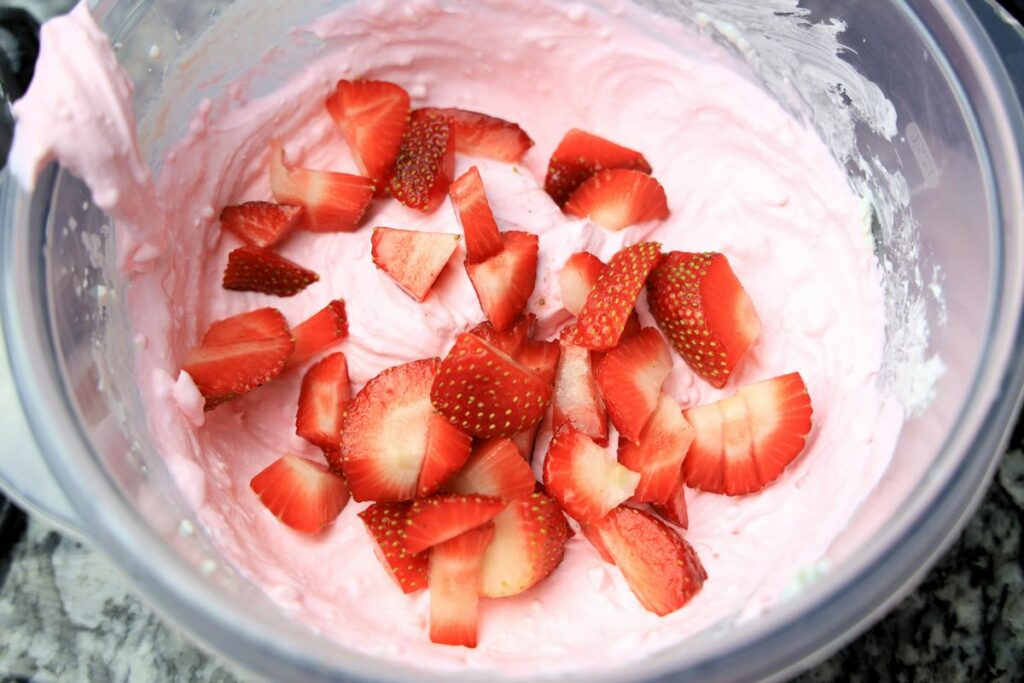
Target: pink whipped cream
{"x":742,"y":177}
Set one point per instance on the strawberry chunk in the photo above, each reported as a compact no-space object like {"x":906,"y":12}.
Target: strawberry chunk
{"x":704,"y":311}
{"x":304,"y":495}
{"x":251,"y":269}
{"x":386,"y":523}
{"x":541,"y":358}
{"x":453,"y":577}
{"x":577,"y":278}
{"x":496,"y":469}
{"x":586,"y":479}
{"x":662,"y":569}
{"x":448,"y":449}
{"x":508,"y":341}
{"x":529,"y":544}
{"x":425,"y":165}
{"x":372,"y":116}
{"x":618,"y":198}
{"x":630,"y":379}
{"x":333,"y":202}
{"x":579,"y":156}
{"x":260,"y":224}
{"x":577,"y":402}
{"x":658,"y":455}
{"x":324,"y":329}
{"x":675,"y":509}
{"x":325,"y":393}
{"x":482,"y":135}
{"x":442,"y":517}
{"x":504,"y":283}
{"x":414,"y":260}
{"x":610,"y":303}
{"x":239,"y":354}
{"x":483,"y":240}
{"x":385,"y":432}
{"x":485,"y":392}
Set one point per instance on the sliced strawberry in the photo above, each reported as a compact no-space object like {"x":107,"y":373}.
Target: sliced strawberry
{"x":482,"y":135}
{"x":541,"y":358}
{"x":675,"y":509}
{"x":324,"y":329}
{"x":372,"y":116}
{"x":580,"y":155}
{"x":586,"y":479}
{"x":662,"y":569}
{"x":610,"y":304}
{"x":618,"y":198}
{"x":704,"y":311}
{"x":425,"y":165}
{"x":386,"y":523}
{"x":483,"y":240}
{"x":630,"y":379}
{"x":577,"y":402}
{"x":509,"y":341}
{"x":239,"y":354}
{"x":529,"y":543}
{"x":304,"y":495}
{"x":325,"y":393}
{"x":577,"y":279}
{"x":333,"y":202}
{"x":486,"y":393}
{"x":385,"y":433}
{"x":251,"y":269}
{"x":496,"y":469}
{"x":413,"y":259}
{"x":442,"y":517}
{"x":448,"y":449}
{"x":658,"y":455}
{"x":454,"y":577}
{"x":260,"y":224}
{"x":504,"y":283}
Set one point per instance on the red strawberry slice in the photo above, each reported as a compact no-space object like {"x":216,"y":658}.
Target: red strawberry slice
{"x":482,"y":135}
{"x":610,"y":304}
{"x":662,"y":569}
{"x":618,"y":198}
{"x":333,"y":202}
{"x":541,"y":358}
{"x":483,"y":239}
{"x":413,"y":259}
{"x":372,"y":116}
{"x":304,"y":495}
{"x":509,"y":341}
{"x":385,"y":432}
{"x":675,"y":509}
{"x":442,"y":517}
{"x":251,"y":269}
{"x":577,"y":279}
{"x":386,"y":523}
{"x":454,"y":577}
{"x":504,"y":283}
{"x":496,"y":469}
{"x":260,"y":224}
{"x":526,"y":441}
{"x":743,"y":443}
{"x":321,"y":331}
{"x":704,"y":311}
{"x":425,"y":165}
{"x":658,"y":455}
{"x":630,"y":379}
{"x":529,"y":544}
{"x":448,"y":449}
{"x":325,"y":393}
{"x":586,"y":479}
{"x":485,"y":393}
{"x":580,"y":155}
{"x":239,"y":354}
{"x":577,"y":402}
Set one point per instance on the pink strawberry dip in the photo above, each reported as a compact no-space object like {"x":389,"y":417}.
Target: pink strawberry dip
{"x":741,"y":175}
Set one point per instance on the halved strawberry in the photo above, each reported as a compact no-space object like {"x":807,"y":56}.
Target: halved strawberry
{"x":333,"y":202}
{"x":577,"y":402}
{"x":486,"y":393}
{"x":425,"y":165}
{"x":580,"y":155}
{"x":529,"y":543}
{"x":662,"y":569}
{"x":743,"y":443}
{"x":482,"y":135}
{"x":504,"y":283}
{"x":251,"y":269}
{"x":238,"y":354}
{"x":386,"y":523}
{"x":324,"y":329}
{"x":658,"y":455}
{"x":577,"y":278}
{"x":675,"y":509}
{"x":509,"y":341}
{"x":483,"y":239}
{"x":630,"y":379}
{"x":495,"y":469}
{"x":260,"y":224}
{"x":586,"y":479}
{"x":413,"y":259}
{"x":442,"y":517}
{"x":325,"y":393}
{"x":372,"y":116}
{"x":385,"y":432}
{"x":304,"y":495}
{"x":610,"y":304}
{"x":704,"y":311}
{"x":448,"y":449}
{"x":454,"y":577}
{"x":618,"y":198}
